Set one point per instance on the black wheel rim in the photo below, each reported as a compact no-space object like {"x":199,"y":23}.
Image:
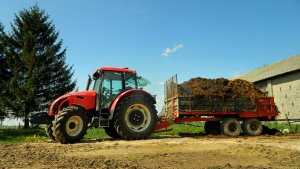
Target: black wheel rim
{"x":136,"y":117}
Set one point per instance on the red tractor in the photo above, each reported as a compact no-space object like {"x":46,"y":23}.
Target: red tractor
{"x":115,"y":103}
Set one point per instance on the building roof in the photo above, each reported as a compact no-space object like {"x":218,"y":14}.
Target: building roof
{"x":282,"y":67}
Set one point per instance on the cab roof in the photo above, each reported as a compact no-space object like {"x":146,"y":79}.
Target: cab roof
{"x":106,"y":68}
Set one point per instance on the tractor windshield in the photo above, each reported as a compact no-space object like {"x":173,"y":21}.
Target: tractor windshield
{"x":97,"y":84}
{"x":97,"y":78}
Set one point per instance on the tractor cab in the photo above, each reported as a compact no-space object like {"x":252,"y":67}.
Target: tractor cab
{"x":109,"y":82}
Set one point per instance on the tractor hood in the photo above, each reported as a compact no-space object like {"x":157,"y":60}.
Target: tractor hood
{"x":84,"y":99}
{"x":80,"y":93}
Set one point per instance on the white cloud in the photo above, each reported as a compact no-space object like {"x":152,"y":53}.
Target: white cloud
{"x":173,"y":49}
{"x":161,"y":83}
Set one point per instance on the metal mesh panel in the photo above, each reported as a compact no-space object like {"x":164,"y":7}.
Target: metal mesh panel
{"x":171,"y":98}
{"x":171,"y":88}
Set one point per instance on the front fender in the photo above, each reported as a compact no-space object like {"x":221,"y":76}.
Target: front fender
{"x":125,"y":94}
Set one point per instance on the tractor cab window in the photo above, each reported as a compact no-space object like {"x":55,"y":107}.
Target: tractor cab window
{"x":143,"y":82}
{"x":112,"y":85}
{"x":130,"y":81}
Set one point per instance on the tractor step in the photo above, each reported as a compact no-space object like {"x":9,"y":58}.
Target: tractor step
{"x":100,"y":122}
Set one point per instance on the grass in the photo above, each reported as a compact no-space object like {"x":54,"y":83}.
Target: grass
{"x":95,"y":133}
{"x":184,"y":128}
{"x":15,"y":135}
{"x":9,"y":135}
{"x":295,"y":127}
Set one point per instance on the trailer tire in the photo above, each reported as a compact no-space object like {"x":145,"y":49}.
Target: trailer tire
{"x":252,"y":127}
{"x":231,"y":127}
{"x":212,"y":127}
{"x":112,"y":132}
{"x":135,"y":117}
{"x":71,"y":125}
{"x":49,"y":131}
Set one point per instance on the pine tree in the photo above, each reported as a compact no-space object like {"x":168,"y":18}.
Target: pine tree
{"x":4,"y":74}
{"x":37,"y":62}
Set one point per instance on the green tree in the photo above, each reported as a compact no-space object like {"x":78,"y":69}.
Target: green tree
{"x":4,"y":74}
{"x":37,"y":62}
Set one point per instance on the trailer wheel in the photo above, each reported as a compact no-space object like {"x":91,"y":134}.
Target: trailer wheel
{"x":49,"y":131}
{"x":231,"y":127}
{"x":252,"y":127}
{"x":212,"y":127}
{"x":112,"y":132}
{"x":71,"y":125}
{"x":135,"y":117}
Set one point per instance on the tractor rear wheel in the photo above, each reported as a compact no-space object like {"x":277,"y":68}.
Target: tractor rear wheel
{"x":135,"y":117}
{"x":252,"y":127}
{"x":112,"y":132}
{"x":71,"y":125}
{"x":212,"y":127}
{"x":231,"y":127}
{"x":49,"y":131}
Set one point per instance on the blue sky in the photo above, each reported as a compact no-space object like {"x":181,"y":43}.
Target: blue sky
{"x":160,"y":38}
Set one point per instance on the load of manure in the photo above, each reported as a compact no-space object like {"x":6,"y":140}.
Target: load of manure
{"x":220,"y":88}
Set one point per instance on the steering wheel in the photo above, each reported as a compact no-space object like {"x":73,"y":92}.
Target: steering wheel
{"x":105,"y":92}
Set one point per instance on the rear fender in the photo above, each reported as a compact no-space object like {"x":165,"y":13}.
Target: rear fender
{"x":126,"y":94}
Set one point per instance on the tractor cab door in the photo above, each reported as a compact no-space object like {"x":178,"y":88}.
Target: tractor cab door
{"x":112,"y":86}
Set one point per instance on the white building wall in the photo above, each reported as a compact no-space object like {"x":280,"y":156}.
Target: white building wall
{"x":286,"y":92}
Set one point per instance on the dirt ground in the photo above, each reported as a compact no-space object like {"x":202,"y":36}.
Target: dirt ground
{"x":163,"y":152}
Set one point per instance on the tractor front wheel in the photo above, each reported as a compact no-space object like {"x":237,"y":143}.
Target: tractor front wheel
{"x":71,"y":125}
{"x":49,"y":131}
{"x":135,"y":117}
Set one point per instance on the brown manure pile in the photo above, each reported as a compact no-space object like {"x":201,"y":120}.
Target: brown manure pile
{"x":219,"y":88}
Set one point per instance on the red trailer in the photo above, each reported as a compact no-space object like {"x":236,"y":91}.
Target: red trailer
{"x":230,"y":118}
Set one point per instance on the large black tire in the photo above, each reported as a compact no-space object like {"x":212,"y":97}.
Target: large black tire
{"x":252,"y":127}
{"x":71,"y":125}
{"x":231,"y":127}
{"x":112,"y":132}
{"x":49,"y":131}
{"x":212,"y":127}
{"x":135,"y":117}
